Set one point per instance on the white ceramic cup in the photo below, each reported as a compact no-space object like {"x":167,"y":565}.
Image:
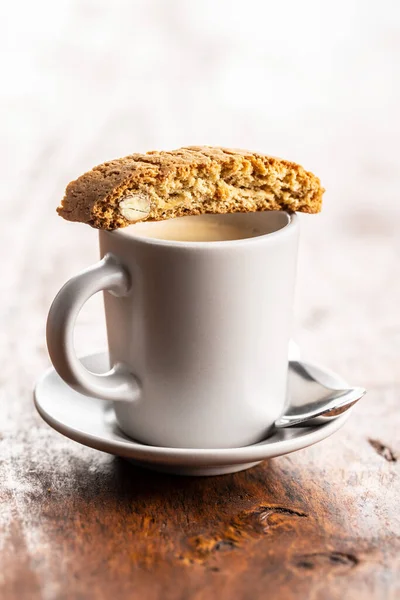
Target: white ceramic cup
{"x":198,"y":332}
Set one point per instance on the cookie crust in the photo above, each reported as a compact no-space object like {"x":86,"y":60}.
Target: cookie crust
{"x":188,"y":181}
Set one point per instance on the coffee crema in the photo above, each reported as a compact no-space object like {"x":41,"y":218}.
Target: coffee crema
{"x":199,"y":228}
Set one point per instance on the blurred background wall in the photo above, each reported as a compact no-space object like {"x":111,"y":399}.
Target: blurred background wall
{"x":315,"y":82}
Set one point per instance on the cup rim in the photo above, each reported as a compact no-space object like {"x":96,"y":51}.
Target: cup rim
{"x":291,"y":224}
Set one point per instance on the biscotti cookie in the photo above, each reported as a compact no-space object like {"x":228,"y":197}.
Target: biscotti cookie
{"x":189,"y":181}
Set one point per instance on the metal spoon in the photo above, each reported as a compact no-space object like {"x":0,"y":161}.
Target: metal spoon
{"x":315,"y":401}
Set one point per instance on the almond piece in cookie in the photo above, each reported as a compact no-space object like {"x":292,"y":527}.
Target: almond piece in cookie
{"x":135,"y":207}
{"x":189,"y":181}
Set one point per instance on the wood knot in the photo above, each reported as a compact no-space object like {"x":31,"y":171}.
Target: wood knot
{"x":223,"y":545}
{"x":266,"y":515}
{"x":243,"y":528}
{"x":383,"y":450}
{"x":326,"y":560}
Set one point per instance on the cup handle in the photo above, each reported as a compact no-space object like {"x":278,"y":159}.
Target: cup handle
{"x":118,"y":383}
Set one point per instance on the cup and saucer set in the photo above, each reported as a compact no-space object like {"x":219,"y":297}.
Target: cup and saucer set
{"x":197,"y":373}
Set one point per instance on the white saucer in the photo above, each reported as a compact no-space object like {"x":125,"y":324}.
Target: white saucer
{"x":92,"y":422}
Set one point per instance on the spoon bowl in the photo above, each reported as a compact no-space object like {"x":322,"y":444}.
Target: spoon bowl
{"x":315,"y":402}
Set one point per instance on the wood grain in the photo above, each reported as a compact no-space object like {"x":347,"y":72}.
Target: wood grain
{"x":85,"y":82}
{"x":320,"y":523}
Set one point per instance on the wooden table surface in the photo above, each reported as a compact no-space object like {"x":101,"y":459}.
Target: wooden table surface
{"x":87,"y":82}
